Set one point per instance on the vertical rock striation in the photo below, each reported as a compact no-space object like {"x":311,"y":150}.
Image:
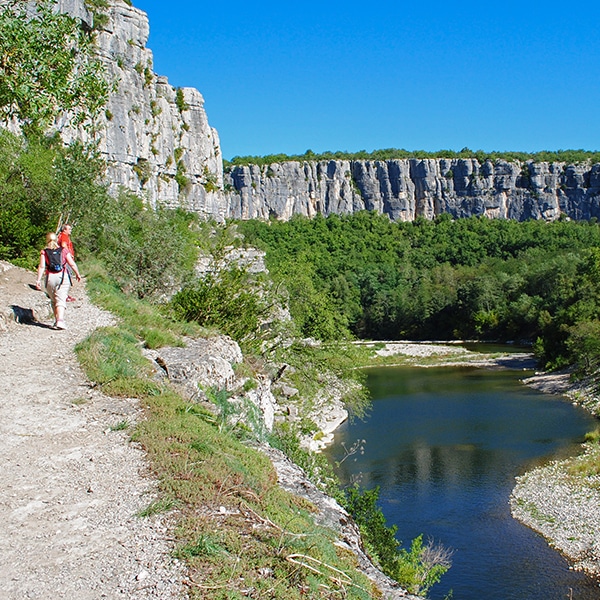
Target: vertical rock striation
{"x":409,"y":188}
{"x":156,"y":139}
{"x":158,"y":143}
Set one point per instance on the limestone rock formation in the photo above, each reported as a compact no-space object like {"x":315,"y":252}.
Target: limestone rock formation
{"x":209,"y":363}
{"x":156,"y":139}
{"x":201,"y":364}
{"x":409,"y":188}
{"x":157,"y":142}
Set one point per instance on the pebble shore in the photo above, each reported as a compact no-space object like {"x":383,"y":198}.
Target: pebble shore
{"x":564,"y":508}
{"x":561,"y":500}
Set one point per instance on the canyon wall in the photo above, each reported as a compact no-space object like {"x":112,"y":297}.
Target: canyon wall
{"x":410,"y":188}
{"x":155,"y":138}
{"x":158,"y":143}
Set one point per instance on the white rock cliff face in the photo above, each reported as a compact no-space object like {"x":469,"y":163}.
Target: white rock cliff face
{"x":158,"y":143}
{"x":157,"y":140}
{"x":410,"y":188}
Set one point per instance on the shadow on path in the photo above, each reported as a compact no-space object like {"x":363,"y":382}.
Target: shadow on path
{"x":25,"y":316}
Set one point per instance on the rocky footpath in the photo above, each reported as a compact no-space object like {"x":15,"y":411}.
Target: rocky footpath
{"x":72,"y":482}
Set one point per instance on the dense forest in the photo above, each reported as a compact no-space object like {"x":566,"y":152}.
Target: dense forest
{"x":365,"y":276}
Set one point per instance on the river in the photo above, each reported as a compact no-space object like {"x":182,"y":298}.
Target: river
{"x":444,"y":445}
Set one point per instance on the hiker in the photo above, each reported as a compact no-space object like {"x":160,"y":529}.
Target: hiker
{"x":64,"y":241}
{"x":54,"y":261}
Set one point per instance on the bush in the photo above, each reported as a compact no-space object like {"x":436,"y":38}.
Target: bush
{"x":224,"y":301}
{"x":416,"y":569}
{"x":149,"y":253}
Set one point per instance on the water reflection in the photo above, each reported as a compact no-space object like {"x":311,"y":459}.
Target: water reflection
{"x":444,"y":445}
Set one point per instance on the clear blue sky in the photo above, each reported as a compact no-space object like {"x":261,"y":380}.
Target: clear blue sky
{"x":284,"y":77}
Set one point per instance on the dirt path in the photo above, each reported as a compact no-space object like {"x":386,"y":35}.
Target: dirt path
{"x":70,"y":486}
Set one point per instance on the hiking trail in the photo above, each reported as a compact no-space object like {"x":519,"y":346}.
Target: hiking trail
{"x":72,"y":482}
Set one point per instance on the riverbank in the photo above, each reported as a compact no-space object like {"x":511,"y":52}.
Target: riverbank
{"x":561,"y":500}
{"x":185,"y":510}
{"x":435,"y":354}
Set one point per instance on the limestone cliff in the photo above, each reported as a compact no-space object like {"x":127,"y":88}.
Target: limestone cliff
{"x":156,"y":139}
{"x":409,"y":188}
{"x":157,"y":142}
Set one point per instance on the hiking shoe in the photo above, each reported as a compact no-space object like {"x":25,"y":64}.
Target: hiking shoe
{"x":60,"y":325}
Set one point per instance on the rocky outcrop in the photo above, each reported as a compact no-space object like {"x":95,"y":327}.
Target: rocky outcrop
{"x":156,"y":139}
{"x":199,"y":365}
{"x":158,"y":143}
{"x":409,"y":188}
{"x":202,"y":367}
{"x":207,"y":365}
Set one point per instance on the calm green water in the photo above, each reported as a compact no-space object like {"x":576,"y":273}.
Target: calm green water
{"x":444,"y":445}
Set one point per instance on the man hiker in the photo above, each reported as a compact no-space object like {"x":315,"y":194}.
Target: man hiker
{"x":64,"y":241}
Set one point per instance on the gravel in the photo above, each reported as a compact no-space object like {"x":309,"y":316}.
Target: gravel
{"x":564,"y":509}
{"x":561,"y":500}
{"x":72,"y":482}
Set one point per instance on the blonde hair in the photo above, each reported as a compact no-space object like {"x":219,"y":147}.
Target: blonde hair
{"x":51,"y":241}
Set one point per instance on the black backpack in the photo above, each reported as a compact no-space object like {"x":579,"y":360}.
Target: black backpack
{"x":54,"y":260}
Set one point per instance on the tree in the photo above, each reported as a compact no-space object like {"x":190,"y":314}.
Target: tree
{"x":47,"y":67}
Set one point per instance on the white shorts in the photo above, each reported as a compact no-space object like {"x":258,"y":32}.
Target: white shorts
{"x":57,"y":288}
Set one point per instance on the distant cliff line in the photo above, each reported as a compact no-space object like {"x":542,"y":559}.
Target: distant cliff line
{"x":413,"y":187}
{"x":157,"y":142}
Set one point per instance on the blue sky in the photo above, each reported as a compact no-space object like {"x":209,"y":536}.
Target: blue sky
{"x":284,"y":77}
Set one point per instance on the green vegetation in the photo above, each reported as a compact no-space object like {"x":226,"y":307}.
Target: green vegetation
{"x":362,"y":275}
{"x":264,"y":532}
{"x":341,"y":277}
{"x":222,"y":301}
{"x":418,"y":568}
{"x":182,"y":105}
{"x":97,"y":8}
{"x":40,"y":73}
{"x":566,"y":156}
{"x":41,"y":182}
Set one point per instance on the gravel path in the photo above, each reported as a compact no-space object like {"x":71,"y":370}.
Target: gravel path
{"x":71,"y":485}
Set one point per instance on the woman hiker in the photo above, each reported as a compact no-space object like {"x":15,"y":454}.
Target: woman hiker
{"x":53,"y":263}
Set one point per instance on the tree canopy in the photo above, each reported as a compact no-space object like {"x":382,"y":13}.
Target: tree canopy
{"x":47,"y":67}
{"x":365,"y":276}
{"x":566,"y":156}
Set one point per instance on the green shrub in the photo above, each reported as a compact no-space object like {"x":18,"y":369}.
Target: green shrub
{"x":148,"y":252}
{"x":180,"y":101}
{"x":42,"y":75}
{"x":416,"y":569}
{"x":224,"y":301}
